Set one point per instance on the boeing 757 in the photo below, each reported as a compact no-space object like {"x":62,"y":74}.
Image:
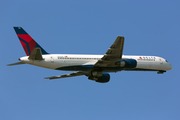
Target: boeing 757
{"x":95,"y":67}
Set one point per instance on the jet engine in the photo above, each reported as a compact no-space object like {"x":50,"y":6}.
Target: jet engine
{"x":127,"y":63}
{"x":104,"y":78}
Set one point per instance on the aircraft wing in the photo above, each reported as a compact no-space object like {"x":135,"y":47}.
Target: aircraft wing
{"x":113,"y":53}
{"x":66,"y":75}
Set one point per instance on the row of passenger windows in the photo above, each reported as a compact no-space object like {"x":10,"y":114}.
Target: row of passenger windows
{"x":78,"y":58}
{"x":147,"y":59}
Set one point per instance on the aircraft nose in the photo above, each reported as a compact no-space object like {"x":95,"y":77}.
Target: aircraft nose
{"x":170,"y":66}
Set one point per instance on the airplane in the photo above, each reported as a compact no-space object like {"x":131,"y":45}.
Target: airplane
{"x":95,"y":67}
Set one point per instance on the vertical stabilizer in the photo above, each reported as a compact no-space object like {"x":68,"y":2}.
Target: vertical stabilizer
{"x":27,"y":41}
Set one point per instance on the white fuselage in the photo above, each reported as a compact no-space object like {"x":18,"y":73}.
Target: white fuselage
{"x":58,"y":61}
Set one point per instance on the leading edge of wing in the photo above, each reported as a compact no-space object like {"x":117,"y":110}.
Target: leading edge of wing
{"x":66,"y":75}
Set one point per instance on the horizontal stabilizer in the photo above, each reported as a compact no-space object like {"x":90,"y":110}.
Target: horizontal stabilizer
{"x":18,"y":63}
{"x":36,"y":54}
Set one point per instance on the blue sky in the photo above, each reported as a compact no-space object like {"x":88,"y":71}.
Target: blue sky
{"x":90,"y":27}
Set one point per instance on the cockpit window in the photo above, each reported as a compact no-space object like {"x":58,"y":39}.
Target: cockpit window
{"x":166,"y":61}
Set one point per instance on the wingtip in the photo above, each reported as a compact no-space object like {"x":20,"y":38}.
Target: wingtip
{"x":120,"y":36}
{"x":17,"y":27}
{"x":48,"y":78}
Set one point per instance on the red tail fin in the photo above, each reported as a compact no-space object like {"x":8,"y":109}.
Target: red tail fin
{"x":27,"y":41}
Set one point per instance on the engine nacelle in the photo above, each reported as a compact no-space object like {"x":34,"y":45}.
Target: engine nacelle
{"x":101,"y":79}
{"x":127,"y":63}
